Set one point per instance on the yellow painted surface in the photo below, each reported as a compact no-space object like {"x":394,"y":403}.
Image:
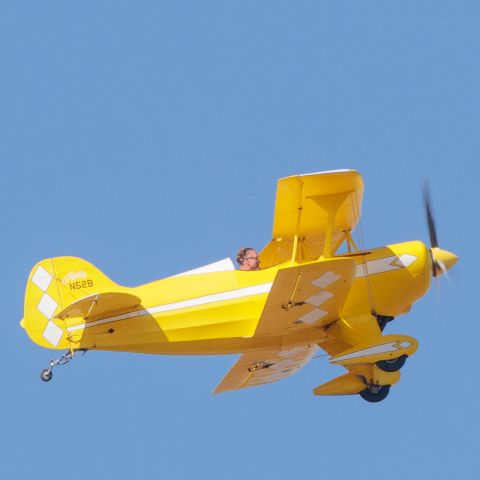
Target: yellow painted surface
{"x":302,"y":208}
{"x":347,"y":384}
{"x":304,"y":299}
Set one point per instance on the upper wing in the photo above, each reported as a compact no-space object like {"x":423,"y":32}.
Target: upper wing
{"x":302,"y":208}
{"x":305,"y":297}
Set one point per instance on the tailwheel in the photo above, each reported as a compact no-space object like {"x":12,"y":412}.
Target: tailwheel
{"x":46,"y":375}
{"x":375,"y":393}
{"x":392,"y":365}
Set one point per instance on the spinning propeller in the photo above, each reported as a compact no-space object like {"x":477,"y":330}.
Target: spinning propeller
{"x":442,"y":260}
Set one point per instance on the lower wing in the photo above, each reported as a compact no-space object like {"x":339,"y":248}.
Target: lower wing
{"x":265,"y":366}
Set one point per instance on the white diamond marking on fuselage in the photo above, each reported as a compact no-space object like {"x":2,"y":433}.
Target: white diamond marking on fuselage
{"x":47,"y":306}
{"x":319,"y":298}
{"x":326,"y":279}
{"x":42,"y":279}
{"x":53,"y":333}
{"x":406,"y":260}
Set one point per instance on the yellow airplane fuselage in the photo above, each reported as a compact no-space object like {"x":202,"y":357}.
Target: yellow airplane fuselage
{"x":215,"y":312}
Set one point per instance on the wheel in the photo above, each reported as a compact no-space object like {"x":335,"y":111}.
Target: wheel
{"x":46,"y":375}
{"x":392,"y":365}
{"x":375,"y":393}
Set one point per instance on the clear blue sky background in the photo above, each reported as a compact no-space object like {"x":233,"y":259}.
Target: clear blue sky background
{"x":147,"y":137}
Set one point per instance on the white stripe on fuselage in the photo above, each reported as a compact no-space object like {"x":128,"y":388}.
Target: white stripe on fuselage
{"x":387,"y":264}
{"x":193,"y":302}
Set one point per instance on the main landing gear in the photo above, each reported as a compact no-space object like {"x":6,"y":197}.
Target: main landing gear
{"x":392,"y":365}
{"x":47,"y":374}
{"x":375,"y":393}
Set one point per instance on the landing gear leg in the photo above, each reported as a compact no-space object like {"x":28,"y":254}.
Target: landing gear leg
{"x":382,"y":320}
{"x":47,"y":374}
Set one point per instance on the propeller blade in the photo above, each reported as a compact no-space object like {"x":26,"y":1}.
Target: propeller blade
{"x":432,"y":230}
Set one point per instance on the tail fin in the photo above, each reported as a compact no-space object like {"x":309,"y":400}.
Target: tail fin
{"x":53,"y":284}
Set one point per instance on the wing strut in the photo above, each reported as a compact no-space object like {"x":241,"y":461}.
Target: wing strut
{"x":350,"y":243}
{"x":331,"y":205}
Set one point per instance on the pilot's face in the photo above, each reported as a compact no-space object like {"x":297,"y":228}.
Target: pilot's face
{"x":251,"y":261}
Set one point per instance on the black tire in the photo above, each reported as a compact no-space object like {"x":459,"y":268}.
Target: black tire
{"x":375,"y":394}
{"x":46,"y":375}
{"x":392,"y":365}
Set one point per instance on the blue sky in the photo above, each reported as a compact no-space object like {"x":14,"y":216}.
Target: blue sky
{"x":147,"y":138}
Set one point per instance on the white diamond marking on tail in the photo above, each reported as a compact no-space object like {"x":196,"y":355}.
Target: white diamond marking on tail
{"x":326,"y":279}
{"x":47,"y":306}
{"x":53,"y":333}
{"x":42,"y":279}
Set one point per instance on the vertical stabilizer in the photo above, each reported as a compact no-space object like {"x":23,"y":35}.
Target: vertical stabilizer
{"x":54,"y":284}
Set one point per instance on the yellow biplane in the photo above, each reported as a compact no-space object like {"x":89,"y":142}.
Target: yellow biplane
{"x":307,"y":296}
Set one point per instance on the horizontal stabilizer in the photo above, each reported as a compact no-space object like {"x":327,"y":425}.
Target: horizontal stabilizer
{"x":387,"y":347}
{"x":347,"y":384}
{"x":100,"y":305}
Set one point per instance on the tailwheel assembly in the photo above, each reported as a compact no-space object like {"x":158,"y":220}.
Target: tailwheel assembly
{"x":47,"y":374}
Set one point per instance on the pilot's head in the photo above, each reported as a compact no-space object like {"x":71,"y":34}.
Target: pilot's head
{"x":248,"y":259}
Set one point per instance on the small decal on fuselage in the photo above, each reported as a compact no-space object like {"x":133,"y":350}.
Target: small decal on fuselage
{"x":73,"y":276}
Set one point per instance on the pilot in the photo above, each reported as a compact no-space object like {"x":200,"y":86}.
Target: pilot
{"x":248,"y":259}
